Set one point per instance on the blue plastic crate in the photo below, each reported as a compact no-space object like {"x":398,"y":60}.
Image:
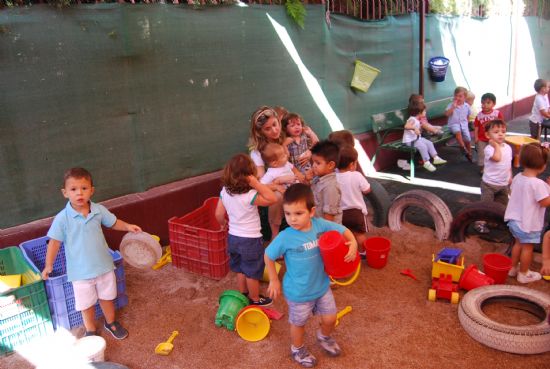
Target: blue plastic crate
{"x":60,"y":290}
{"x":24,"y":312}
{"x":70,"y":318}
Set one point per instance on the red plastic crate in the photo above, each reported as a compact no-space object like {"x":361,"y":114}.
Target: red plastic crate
{"x":198,"y":238}
{"x":214,"y":271}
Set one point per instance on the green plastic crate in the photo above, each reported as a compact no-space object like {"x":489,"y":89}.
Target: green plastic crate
{"x":24,"y":311}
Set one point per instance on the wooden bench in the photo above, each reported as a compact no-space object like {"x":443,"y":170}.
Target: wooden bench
{"x":394,"y":121}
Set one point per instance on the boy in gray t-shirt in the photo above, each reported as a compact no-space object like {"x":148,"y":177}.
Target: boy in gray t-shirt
{"x":325,"y":186}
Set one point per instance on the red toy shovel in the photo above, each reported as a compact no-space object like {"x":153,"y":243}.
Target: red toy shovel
{"x":272,"y":313}
{"x":409,"y":273}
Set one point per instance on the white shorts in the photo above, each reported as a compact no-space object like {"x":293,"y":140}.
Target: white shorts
{"x":87,"y":291}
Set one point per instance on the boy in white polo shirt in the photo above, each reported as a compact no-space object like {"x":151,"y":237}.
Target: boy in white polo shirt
{"x":353,"y":186}
{"x":90,"y":266}
{"x":540,"y":113}
{"x":497,"y":172}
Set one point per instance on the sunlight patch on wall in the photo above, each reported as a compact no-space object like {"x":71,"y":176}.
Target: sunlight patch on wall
{"x":336,"y":124}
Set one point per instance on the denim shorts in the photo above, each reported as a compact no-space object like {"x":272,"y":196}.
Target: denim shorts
{"x":299,"y":312}
{"x":463,"y":129}
{"x":246,"y":256}
{"x":521,"y":236}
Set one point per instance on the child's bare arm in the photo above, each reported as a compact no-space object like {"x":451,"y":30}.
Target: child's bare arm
{"x":299,"y":175}
{"x":288,"y":141}
{"x":545,"y":270}
{"x":265,"y":196}
{"x":451,"y":109}
{"x":121,"y":225}
{"x":430,"y":128}
{"x":312,"y":136}
{"x":220,"y":214}
{"x":329,"y":217}
{"x":497,"y":154}
{"x":545,"y":113}
{"x":352,"y":243}
{"x":545,"y":202}
{"x":274,"y":288}
{"x":476,"y":132}
{"x":51,"y":253}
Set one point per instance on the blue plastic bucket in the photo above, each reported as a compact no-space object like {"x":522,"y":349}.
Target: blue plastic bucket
{"x":438,"y":68}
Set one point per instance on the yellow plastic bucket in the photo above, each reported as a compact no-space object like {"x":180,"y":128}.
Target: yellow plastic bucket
{"x":265,"y":277}
{"x":252,"y":324}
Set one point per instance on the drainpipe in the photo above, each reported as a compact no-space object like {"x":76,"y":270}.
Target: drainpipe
{"x":421,"y":42}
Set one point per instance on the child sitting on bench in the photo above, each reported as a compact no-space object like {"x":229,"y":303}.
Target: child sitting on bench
{"x":412,"y":136}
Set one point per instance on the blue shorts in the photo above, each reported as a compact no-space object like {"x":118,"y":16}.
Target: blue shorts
{"x":455,"y":128}
{"x":246,"y":256}
{"x":299,"y":312}
{"x":521,"y":236}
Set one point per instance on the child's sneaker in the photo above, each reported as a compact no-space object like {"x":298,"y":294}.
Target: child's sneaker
{"x":328,"y":344}
{"x":438,"y":161}
{"x":513,"y":272}
{"x":262,"y":301}
{"x":303,"y":357}
{"x":363,"y":255}
{"x":429,"y":166}
{"x":528,"y":277}
{"x":118,"y":331}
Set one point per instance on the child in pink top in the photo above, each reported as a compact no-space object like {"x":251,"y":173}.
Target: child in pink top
{"x":525,"y":210}
{"x":487,"y":114}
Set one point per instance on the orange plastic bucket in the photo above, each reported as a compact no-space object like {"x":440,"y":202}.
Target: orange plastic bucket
{"x":497,"y":267}
{"x":333,"y":249}
{"x":377,"y":249}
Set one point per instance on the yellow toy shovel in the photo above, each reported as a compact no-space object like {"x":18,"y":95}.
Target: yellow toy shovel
{"x":341,"y":313}
{"x":165,"y":348}
{"x":165,"y":259}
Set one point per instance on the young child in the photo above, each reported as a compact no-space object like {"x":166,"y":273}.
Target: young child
{"x":458,"y":112}
{"x":305,"y":284}
{"x":470,"y":99}
{"x":90,"y":266}
{"x":240,"y":197}
{"x":280,"y":173}
{"x":300,"y":139}
{"x":342,"y":138}
{"x":541,"y":108}
{"x":525,"y":210}
{"x":425,"y":125}
{"x":353,"y":186}
{"x":487,"y":114}
{"x":412,"y":136}
{"x":495,"y":183}
{"x":325,"y":187}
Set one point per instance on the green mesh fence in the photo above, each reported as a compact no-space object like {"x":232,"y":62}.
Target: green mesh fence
{"x":146,"y":95}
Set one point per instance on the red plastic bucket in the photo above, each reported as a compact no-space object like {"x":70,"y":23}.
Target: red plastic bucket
{"x":333,"y":249}
{"x":377,"y":249}
{"x":472,"y":278}
{"x":497,"y":266}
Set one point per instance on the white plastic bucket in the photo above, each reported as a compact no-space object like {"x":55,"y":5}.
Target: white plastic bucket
{"x":91,"y":348}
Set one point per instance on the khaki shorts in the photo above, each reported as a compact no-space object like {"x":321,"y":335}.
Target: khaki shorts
{"x":88,"y":291}
{"x":494,"y":193}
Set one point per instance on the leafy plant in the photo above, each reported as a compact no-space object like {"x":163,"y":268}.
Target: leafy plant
{"x":296,"y":10}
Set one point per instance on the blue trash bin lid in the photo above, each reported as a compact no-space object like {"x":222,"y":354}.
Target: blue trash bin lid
{"x":439,"y":61}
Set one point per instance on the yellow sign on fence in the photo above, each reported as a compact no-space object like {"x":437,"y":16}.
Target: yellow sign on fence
{"x":363,"y":76}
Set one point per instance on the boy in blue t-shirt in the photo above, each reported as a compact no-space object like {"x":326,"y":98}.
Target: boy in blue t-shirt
{"x":306,"y":286}
{"x":90,"y":266}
